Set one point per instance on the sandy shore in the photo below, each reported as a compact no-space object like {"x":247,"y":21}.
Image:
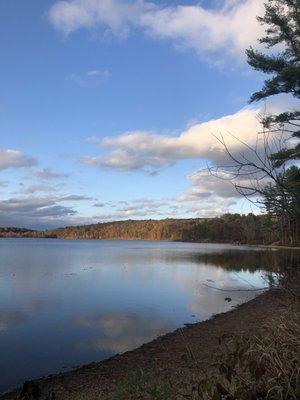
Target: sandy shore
{"x":178,"y":356}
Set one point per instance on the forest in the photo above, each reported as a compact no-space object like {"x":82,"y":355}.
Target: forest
{"x":229,"y":228}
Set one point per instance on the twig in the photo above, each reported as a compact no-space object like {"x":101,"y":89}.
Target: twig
{"x":234,"y":290}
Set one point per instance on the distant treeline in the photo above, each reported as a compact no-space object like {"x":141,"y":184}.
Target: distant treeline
{"x":18,"y":232}
{"x":229,"y":228}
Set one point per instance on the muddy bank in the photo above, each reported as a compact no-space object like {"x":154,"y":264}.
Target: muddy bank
{"x":177,"y":356}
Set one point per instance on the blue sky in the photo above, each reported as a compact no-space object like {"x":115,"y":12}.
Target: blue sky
{"x":107,"y":107}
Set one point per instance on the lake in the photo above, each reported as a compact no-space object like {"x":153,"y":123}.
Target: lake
{"x":64,"y":303}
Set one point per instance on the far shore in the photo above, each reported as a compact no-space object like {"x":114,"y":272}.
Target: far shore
{"x":263,"y":246}
{"x":179,"y":356}
{"x":228,"y":228}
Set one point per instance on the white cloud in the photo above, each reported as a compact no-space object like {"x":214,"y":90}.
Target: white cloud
{"x":125,"y":159}
{"x":73,"y":197}
{"x":230,"y":28}
{"x":221,"y":184}
{"x":48,"y":173}
{"x":92,"y":139}
{"x":40,"y":211}
{"x":188,"y":204}
{"x":135,"y":209}
{"x":131,"y":213}
{"x":15,"y":159}
{"x":33,"y":206}
{"x":140,"y":150}
{"x":113,"y":15}
{"x":208,"y":195}
{"x":99,"y":205}
{"x":39,"y":188}
{"x":205,"y":183}
{"x":91,"y":78}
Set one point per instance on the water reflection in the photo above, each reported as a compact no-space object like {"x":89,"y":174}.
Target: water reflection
{"x":64,"y":303}
{"x":273,"y":260}
{"x":204,"y":282}
{"x":118,"y":332}
{"x":9,"y":319}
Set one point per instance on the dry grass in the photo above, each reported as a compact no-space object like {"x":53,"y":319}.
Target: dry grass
{"x":265,"y":366}
{"x":142,"y":386}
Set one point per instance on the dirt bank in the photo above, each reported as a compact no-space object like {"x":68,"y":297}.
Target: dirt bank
{"x":177,"y":356}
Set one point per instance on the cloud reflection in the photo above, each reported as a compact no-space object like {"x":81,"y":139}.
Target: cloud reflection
{"x":10,"y":319}
{"x":118,"y":332}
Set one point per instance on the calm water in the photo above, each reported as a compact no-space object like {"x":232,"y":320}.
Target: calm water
{"x":66,"y":303}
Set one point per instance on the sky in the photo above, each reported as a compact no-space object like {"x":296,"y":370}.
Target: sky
{"x":109,"y":109}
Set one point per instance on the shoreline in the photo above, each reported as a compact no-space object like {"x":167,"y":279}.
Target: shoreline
{"x":167,"y":357}
{"x":262,"y":246}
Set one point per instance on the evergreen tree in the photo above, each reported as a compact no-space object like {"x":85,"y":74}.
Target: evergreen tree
{"x":282,"y":201}
{"x":282,"y":18}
